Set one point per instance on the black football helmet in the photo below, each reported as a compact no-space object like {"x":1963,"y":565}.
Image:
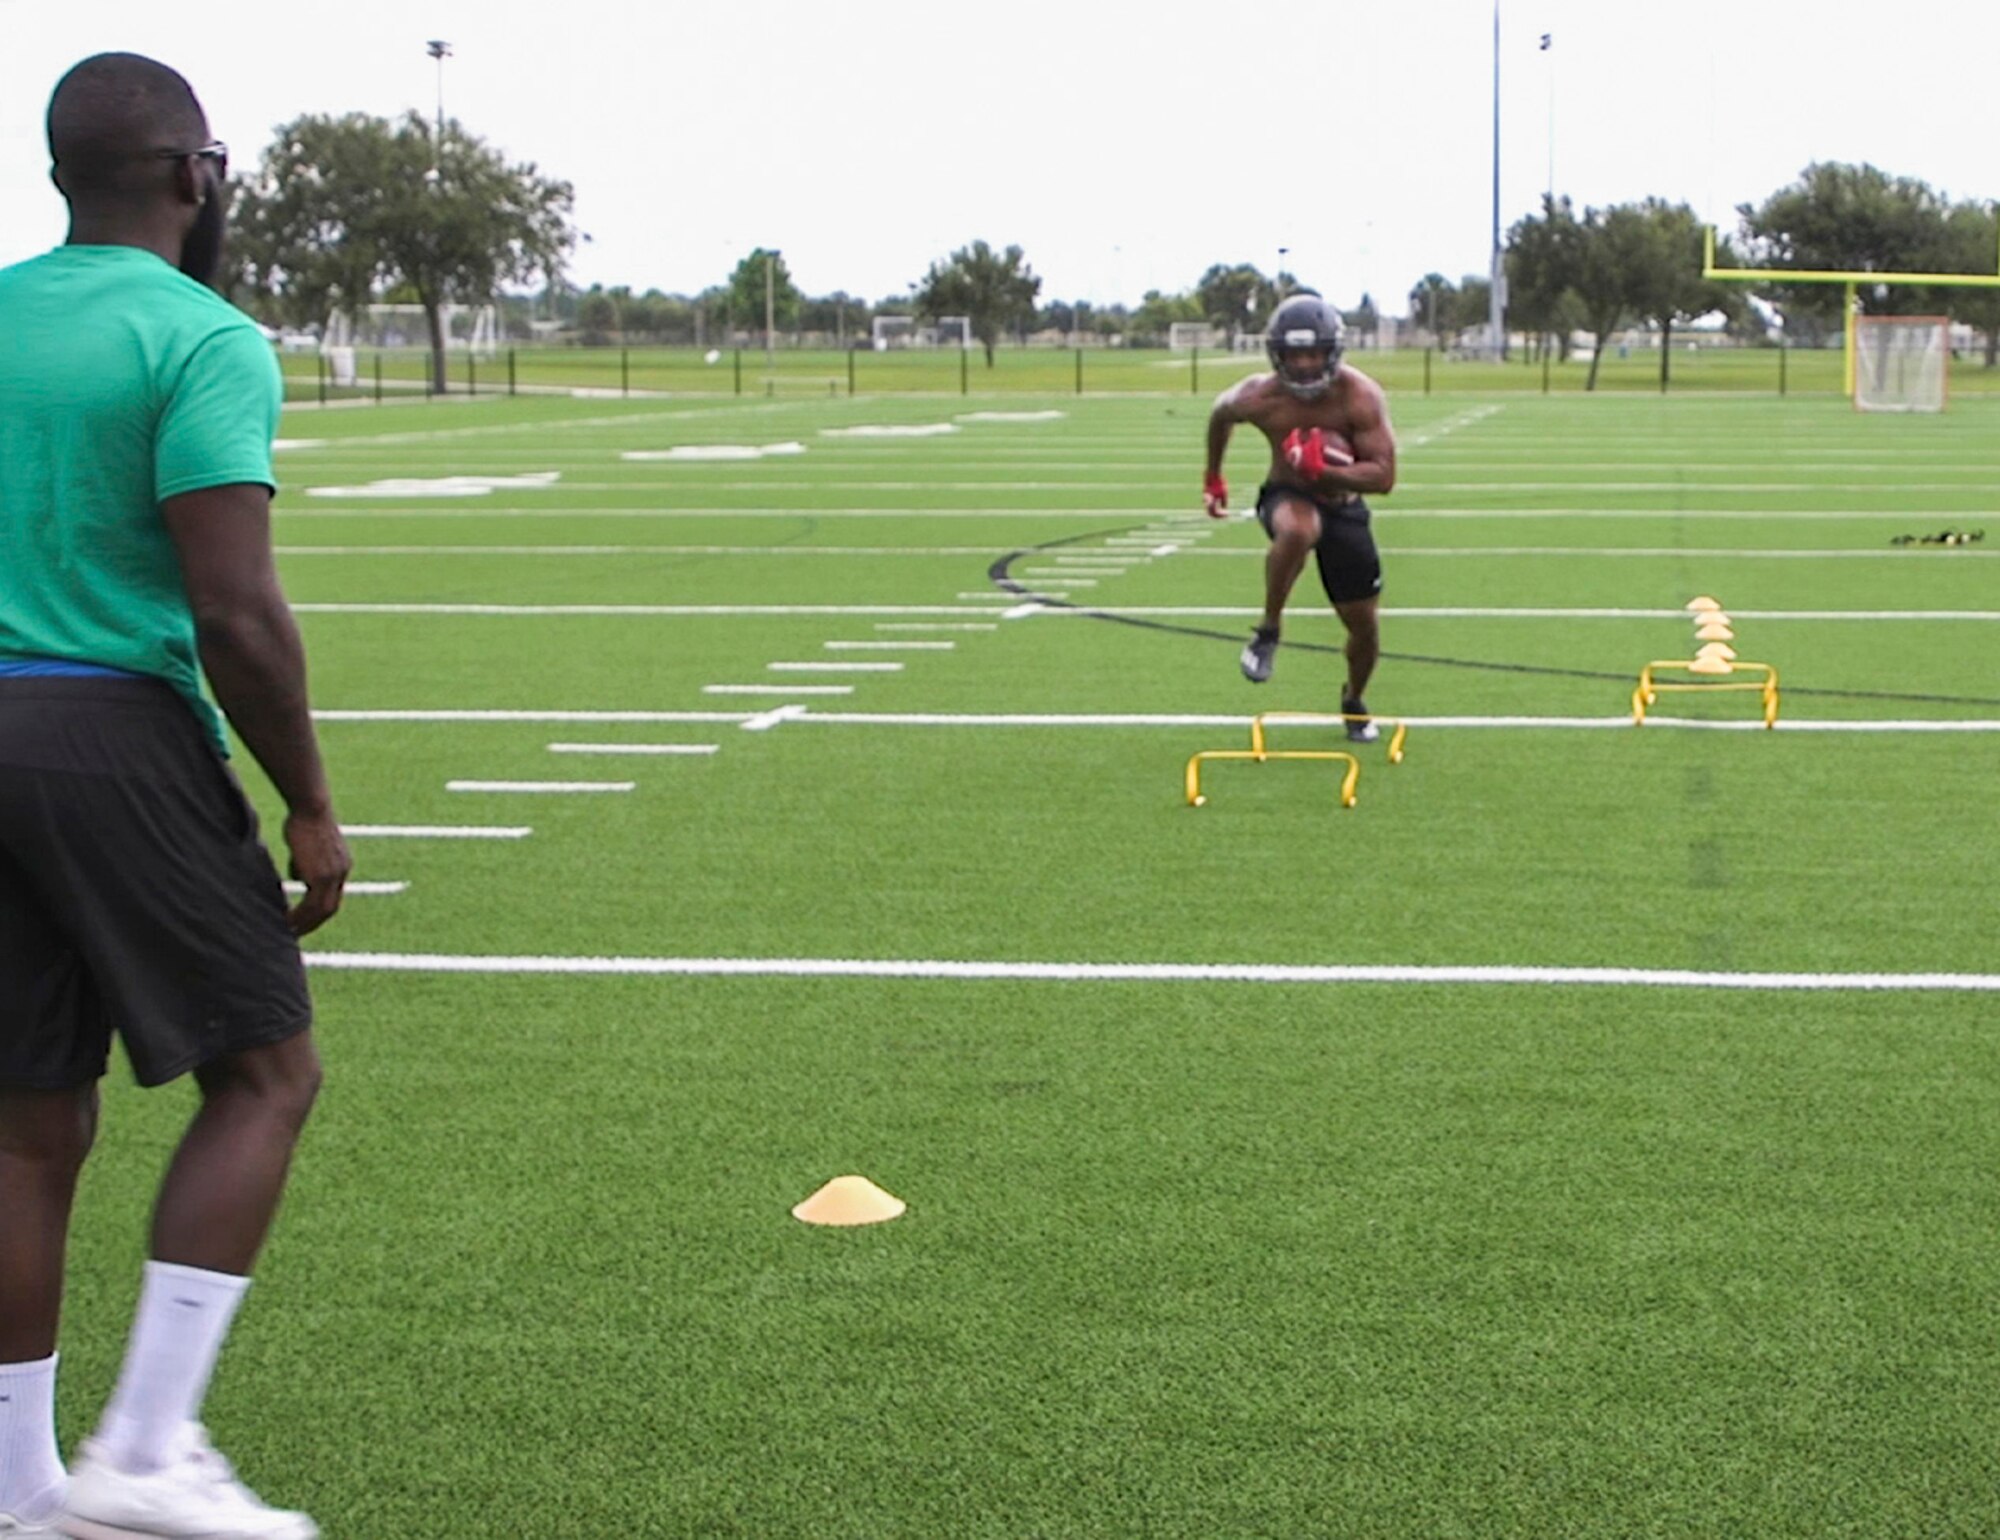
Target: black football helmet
{"x":1304,"y":321}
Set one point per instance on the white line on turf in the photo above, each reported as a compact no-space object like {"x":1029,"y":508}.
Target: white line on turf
{"x":835,"y":668}
{"x":777,"y":689}
{"x":1171,"y":973}
{"x":454,"y":831}
{"x":935,"y":625}
{"x":889,"y":646}
{"x":633,"y":748}
{"x":1492,"y":612}
{"x":929,"y":516}
{"x":357,"y":889}
{"x":641,"y":610}
{"x":542,"y":788}
{"x":1023,"y":611}
{"x":1162,"y":719}
{"x":764,"y":721}
{"x":401,"y":714}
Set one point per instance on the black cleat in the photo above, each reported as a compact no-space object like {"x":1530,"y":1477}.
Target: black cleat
{"x":1257,"y":655}
{"x":1359,"y":728}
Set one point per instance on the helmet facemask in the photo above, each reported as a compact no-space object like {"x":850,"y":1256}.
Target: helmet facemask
{"x":1306,"y":381}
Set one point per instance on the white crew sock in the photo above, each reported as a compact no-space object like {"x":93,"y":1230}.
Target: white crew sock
{"x":31,"y":1468}
{"x":184,"y":1313}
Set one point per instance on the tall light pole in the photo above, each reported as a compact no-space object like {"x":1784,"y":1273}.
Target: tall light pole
{"x":1497,"y":279}
{"x":439,"y":50}
{"x":770,"y":308}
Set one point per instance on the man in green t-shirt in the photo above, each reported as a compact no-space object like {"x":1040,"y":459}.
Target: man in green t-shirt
{"x":136,"y":416}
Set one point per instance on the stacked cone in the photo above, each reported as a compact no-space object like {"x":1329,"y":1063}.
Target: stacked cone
{"x":1715,"y":631}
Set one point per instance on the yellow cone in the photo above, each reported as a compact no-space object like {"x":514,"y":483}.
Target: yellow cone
{"x":1702,"y":602}
{"x":1714,"y":633}
{"x":1716,"y":650}
{"x":1711,"y":665}
{"x":849,"y":1200}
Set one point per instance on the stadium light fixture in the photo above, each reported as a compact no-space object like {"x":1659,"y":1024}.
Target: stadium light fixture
{"x":439,"y":50}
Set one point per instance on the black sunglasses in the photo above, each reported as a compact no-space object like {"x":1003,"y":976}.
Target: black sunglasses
{"x":214,"y":150}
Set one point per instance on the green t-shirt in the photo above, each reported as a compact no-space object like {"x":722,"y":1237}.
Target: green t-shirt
{"x":122,"y":383}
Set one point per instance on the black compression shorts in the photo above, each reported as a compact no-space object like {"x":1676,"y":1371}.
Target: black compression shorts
{"x":1349,"y":567}
{"x":134,"y":895}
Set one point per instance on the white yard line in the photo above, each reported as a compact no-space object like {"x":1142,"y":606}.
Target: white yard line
{"x":933,"y":625}
{"x":454,"y":831}
{"x":764,"y":721}
{"x":1622,"y":722}
{"x":642,"y":610}
{"x":1907,"y":518}
{"x":475,"y":549}
{"x":835,"y":668}
{"x":1433,"y":612}
{"x":633,"y":748}
{"x":889,"y":646}
{"x":476,"y":714}
{"x":777,"y":689}
{"x":1173,"y":973}
{"x":542,"y":788}
{"x":357,"y":889}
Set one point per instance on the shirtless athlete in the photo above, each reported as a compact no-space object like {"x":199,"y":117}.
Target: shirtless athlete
{"x":1330,"y":442}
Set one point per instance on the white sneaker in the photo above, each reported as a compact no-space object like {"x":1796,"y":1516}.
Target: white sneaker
{"x":197,"y":1497}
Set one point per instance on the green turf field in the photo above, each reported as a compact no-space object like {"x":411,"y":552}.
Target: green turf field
{"x":1413,"y":1254}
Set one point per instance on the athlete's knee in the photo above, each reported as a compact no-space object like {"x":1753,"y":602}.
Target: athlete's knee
{"x":53,"y":1129}
{"x":1360,"y":622}
{"x":1295,"y":524}
{"x":277,"y":1080}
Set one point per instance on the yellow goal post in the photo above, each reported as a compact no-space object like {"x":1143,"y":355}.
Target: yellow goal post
{"x":1852,"y":281}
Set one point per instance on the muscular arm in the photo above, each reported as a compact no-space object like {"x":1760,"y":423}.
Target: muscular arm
{"x":1222,"y":421}
{"x":1374,"y":443}
{"x":255,"y":663}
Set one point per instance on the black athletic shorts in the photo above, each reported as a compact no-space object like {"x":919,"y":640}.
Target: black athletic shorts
{"x":1349,"y":567}
{"x":134,"y":895}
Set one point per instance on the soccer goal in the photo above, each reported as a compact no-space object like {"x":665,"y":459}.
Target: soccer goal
{"x":1900,"y":362}
{"x":893,"y":331}
{"x":467,"y":328}
{"x":954,"y":331}
{"x":1184,"y":335}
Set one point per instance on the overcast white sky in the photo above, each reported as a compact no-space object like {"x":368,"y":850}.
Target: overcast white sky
{"x":1123,"y":146}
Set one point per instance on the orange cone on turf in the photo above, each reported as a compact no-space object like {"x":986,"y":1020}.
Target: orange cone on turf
{"x":1714,"y":633}
{"x":1720,"y":650}
{"x":1702,"y":602}
{"x":849,"y":1200}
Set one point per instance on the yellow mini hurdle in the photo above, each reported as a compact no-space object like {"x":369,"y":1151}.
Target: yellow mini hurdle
{"x":1260,"y":749}
{"x":1650,"y":688}
{"x":1395,"y":745}
{"x":1347,"y":782}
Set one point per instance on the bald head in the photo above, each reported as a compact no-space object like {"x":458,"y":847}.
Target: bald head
{"x":108,"y":118}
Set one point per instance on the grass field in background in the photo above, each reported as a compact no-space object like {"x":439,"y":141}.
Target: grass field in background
{"x":1184,"y":1257}
{"x":1104,"y":371}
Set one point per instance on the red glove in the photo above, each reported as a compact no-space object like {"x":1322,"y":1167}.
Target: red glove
{"x":1305,"y":452}
{"x":1312,"y":452}
{"x":1215,"y":496}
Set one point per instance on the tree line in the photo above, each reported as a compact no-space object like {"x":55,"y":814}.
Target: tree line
{"x":346,"y":211}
